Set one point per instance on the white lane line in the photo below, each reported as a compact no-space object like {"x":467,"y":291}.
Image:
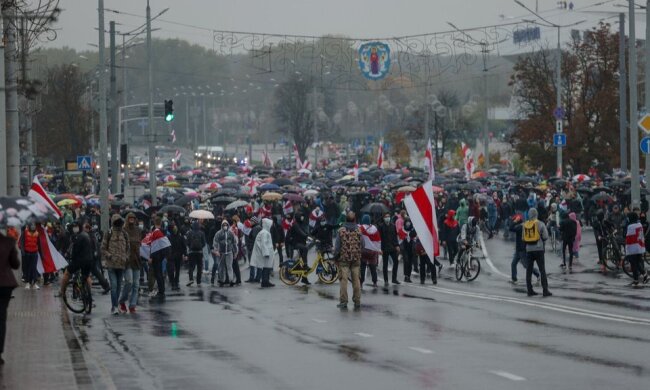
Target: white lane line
{"x":366,"y":335}
{"x":316,"y":320}
{"x":421,"y":350}
{"x":548,"y":306}
{"x":488,"y":260}
{"x":507,"y":375}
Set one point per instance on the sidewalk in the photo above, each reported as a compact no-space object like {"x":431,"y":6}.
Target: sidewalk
{"x":41,"y":350}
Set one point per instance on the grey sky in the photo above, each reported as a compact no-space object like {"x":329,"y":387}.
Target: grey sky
{"x":355,"y":18}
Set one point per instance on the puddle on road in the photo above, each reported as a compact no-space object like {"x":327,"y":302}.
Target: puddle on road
{"x":583,"y":332}
{"x":353,"y":352}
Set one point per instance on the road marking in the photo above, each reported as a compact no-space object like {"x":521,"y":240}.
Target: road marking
{"x":421,"y":350}
{"x":507,"y":375}
{"x":544,"y":305}
{"x":488,"y":260}
{"x":366,"y":335}
{"x":316,"y":320}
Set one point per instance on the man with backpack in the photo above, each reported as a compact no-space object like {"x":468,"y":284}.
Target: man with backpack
{"x":534,"y":236}
{"x":349,"y":243}
{"x":195,"y":242}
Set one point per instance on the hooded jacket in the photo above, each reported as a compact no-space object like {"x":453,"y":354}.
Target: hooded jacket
{"x":462,"y":213}
{"x":225,"y":242}
{"x":543,"y":233}
{"x":262,"y":255}
{"x":115,"y":247}
{"x":135,"y":236}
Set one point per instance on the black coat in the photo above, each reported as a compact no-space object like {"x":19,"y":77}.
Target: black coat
{"x":389,"y":241}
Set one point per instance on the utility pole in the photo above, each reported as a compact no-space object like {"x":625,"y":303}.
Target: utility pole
{"x":122,"y":127}
{"x":188,"y":139}
{"x":486,"y":138}
{"x":203,"y":119}
{"x":558,"y":97}
{"x":29,"y":140}
{"x":11,"y":91}
{"x":426,"y":112}
{"x":114,"y":126}
{"x":152,"y":147}
{"x":315,"y":129}
{"x":103,"y":137}
{"x":647,"y":79}
{"x":634,"y":131}
{"x":3,"y":121}
{"x":622,"y":92}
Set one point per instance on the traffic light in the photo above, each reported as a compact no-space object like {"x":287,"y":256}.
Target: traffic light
{"x":169,"y":110}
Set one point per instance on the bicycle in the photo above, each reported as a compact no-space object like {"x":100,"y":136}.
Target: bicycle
{"x":614,"y":253}
{"x":77,"y":295}
{"x":554,"y":241}
{"x":467,"y":265}
{"x":292,"y":271}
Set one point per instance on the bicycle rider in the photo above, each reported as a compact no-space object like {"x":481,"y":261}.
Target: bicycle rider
{"x":81,"y":258}
{"x":553,"y":221}
{"x":468,"y":235}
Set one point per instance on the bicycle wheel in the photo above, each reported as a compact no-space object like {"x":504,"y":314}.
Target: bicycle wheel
{"x":627,"y":267}
{"x":87,"y":298}
{"x":646,"y":257}
{"x":472,"y":269}
{"x":460,"y":266}
{"x":330,"y":273}
{"x":287,"y":277}
{"x":73,"y":297}
{"x":611,"y":258}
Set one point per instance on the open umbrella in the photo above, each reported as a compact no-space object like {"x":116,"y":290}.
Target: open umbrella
{"x":67,"y":202}
{"x":581,"y":178}
{"x":268,"y":187}
{"x":236,"y":204}
{"x":375,"y":208}
{"x":201,"y":214}
{"x":213,"y":186}
{"x":17,"y":211}
{"x":293,"y":197}
{"x":139,"y":214}
{"x":311,"y":193}
{"x":282,"y":182}
{"x":223,"y":200}
{"x":602,"y":197}
{"x":271,"y":196}
{"x":406,"y":189}
{"x":170,"y":208}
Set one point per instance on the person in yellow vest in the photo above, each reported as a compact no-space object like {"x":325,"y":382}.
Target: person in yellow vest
{"x":30,"y":247}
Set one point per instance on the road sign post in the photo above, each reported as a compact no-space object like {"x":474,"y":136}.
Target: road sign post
{"x":84,"y":163}
{"x":645,"y":145}
{"x":559,"y":140}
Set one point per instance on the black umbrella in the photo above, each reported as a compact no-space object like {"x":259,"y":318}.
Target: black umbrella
{"x":603,"y":189}
{"x":139,"y":214}
{"x":170,"y":208}
{"x":282,"y":182}
{"x":183,"y":200}
{"x":644,"y":192}
{"x":602,"y":197}
{"x":375,"y":208}
{"x":223,"y":200}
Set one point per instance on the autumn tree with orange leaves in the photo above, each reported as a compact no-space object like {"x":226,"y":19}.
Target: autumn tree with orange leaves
{"x":589,"y":95}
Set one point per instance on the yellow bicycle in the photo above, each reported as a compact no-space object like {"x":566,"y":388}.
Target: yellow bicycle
{"x":292,"y":271}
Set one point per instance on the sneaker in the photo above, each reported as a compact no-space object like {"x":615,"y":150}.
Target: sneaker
{"x":396,"y":282}
{"x":342,"y":305}
{"x":114,"y":311}
{"x":190,"y":283}
{"x":547,"y":294}
{"x":513,"y":281}
{"x":407,"y":280}
{"x":532,"y":294}
{"x":122,"y":308}
{"x":357,"y":306}
{"x":28,"y":287}
{"x":132,"y":309}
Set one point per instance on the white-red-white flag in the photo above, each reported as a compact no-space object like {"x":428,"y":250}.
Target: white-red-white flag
{"x":356,"y":171}
{"x":428,"y":158}
{"x":468,"y":160}
{"x":297,"y":155}
{"x":421,"y":207}
{"x":380,"y":154}
{"x":49,"y":259}
{"x":267,"y":160}
{"x":173,"y":136}
{"x":37,"y":194}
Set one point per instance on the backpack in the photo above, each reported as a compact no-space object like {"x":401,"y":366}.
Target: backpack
{"x":530,"y":233}
{"x":196,"y":243}
{"x":351,"y":245}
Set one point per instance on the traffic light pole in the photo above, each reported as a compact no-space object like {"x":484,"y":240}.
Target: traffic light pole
{"x":103,"y":137}
{"x":3,"y":123}
{"x":114,"y":127}
{"x":152,"y":147}
{"x":634,"y":117}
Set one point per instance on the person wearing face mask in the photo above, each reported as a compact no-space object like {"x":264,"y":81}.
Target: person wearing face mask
{"x":262,"y":255}
{"x":225,"y":249}
{"x":81,"y":257}
{"x":405,"y":245}
{"x":132,"y":267}
{"x":30,"y":247}
{"x":389,"y":247}
{"x":195,"y":241}
{"x":178,"y":249}
{"x":115,"y":255}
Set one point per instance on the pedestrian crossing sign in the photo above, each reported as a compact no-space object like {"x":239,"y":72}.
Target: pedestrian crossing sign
{"x":84,"y":163}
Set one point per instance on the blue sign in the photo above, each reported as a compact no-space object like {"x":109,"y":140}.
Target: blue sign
{"x":374,"y":60}
{"x":645,"y":145}
{"x":84,"y":163}
{"x":559,"y":113}
{"x":526,"y":35}
{"x":559,"y":140}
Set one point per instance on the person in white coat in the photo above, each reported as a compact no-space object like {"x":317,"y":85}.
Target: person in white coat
{"x":262,"y":256}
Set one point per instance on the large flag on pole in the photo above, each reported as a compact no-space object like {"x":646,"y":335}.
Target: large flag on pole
{"x":37,"y":194}
{"x":267,"y":160}
{"x":173,"y":136}
{"x":297,"y":155}
{"x":421,"y":207}
{"x":380,"y":154}
{"x":356,"y":171}
{"x":468,"y":160}
{"x":428,"y":157}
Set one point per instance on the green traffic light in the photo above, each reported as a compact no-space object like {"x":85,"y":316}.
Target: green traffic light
{"x":169,"y":117}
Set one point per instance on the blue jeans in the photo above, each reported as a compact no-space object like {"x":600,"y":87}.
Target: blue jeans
{"x":115,"y":276}
{"x":520,"y":257}
{"x":131,"y":285}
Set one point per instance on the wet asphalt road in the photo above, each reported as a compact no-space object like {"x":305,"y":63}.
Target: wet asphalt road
{"x":594,"y":333}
